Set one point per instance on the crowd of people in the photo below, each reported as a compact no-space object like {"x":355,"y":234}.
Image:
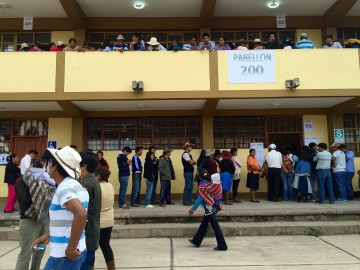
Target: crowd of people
{"x":138,"y":44}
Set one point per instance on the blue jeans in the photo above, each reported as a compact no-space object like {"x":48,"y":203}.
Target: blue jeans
{"x":149,"y":189}
{"x":349,"y":186}
{"x":89,"y":261}
{"x":64,"y":263}
{"x":325,"y":181}
{"x":136,"y":185}
{"x":124,"y":181}
{"x":188,"y":188}
{"x":287,"y":180}
{"x":312,"y":182}
{"x":153,"y":193}
{"x":340,"y":178}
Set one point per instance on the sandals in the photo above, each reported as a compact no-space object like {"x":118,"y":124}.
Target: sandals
{"x":256,"y":201}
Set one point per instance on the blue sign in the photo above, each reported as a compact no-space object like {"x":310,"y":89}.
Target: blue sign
{"x":52,"y":144}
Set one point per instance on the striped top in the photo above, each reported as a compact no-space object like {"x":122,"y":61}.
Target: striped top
{"x":305,"y":44}
{"x":61,"y":218}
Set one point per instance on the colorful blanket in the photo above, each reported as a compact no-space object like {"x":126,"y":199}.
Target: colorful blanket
{"x":211,"y":193}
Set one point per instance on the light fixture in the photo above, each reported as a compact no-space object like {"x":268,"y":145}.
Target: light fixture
{"x":139,"y":5}
{"x":273,"y":4}
{"x":277,"y":104}
{"x":292,"y":84}
{"x":137,"y":86}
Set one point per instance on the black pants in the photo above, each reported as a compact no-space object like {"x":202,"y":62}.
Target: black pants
{"x":274,"y":179}
{"x":199,"y":236}
{"x":235,"y":187}
{"x":165,"y":191}
{"x":104,"y":243}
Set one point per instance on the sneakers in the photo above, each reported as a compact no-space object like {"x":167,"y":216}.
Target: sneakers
{"x":149,"y":206}
{"x":124,"y":207}
{"x":220,"y":249}
{"x":9,"y":211}
{"x":134,"y":205}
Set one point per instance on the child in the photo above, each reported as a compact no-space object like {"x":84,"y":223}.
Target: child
{"x":37,"y":170}
{"x":210,"y":193}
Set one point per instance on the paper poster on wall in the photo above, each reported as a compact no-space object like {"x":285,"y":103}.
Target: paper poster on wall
{"x":259,"y":148}
{"x":281,"y":21}
{"x":308,"y":126}
{"x":310,"y":139}
{"x":3,"y":158}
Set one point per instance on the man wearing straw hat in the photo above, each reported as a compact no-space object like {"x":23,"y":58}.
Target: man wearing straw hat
{"x":67,"y":211}
{"x":188,"y":164}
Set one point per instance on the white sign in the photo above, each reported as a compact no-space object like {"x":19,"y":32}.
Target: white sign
{"x":281,"y":21}
{"x":259,"y":148}
{"x":52,"y":144}
{"x":339,"y":135}
{"x":308,"y":126}
{"x":311,"y":139}
{"x":251,"y":66}
{"x":3,"y":157}
{"x":28,"y":23}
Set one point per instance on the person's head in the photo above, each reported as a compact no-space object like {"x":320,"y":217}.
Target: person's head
{"x":204,"y":175}
{"x":271,"y":37}
{"x":33,"y":153}
{"x":334,"y":147}
{"x":206,"y":37}
{"x":343,"y":148}
{"x":222,"y":41}
{"x":13,"y":158}
{"x":242,"y":42}
{"x":126,"y":150}
{"x":138,"y":151}
{"x":88,"y":162}
{"x":303,"y":36}
{"x":202,"y":156}
{"x":102,"y":174}
{"x":285,"y":152}
{"x":193,"y":41}
{"x":272,"y":146}
{"x":63,"y":163}
{"x":135,"y":37}
{"x":257,"y":42}
{"x":167,"y":152}
{"x":188,"y":146}
{"x":312,"y":146}
{"x":217,"y":153}
{"x":106,"y":43}
{"x":252,"y":152}
{"x":174,"y":41}
{"x":234,"y":151}
{"x":73,"y":146}
{"x":209,"y":153}
{"x":38,"y":44}
{"x":100,"y":155}
{"x":36,"y":163}
{"x":322,"y":147}
{"x":152,"y":149}
{"x":329,"y":39}
{"x":305,"y":148}
{"x":215,"y":178}
{"x":51,"y":45}
{"x":72,"y":42}
{"x":86,"y":44}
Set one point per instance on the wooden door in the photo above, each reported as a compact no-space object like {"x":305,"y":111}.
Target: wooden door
{"x":22,"y":145}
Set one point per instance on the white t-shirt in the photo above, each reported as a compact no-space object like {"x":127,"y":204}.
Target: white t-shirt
{"x":186,"y":156}
{"x":340,"y":161}
{"x":25,"y":164}
{"x":61,"y":218}
{"x":274,"y":159}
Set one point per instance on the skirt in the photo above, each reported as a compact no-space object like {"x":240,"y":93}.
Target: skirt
{"x":226,"y":180}
{"x":252,"y":181}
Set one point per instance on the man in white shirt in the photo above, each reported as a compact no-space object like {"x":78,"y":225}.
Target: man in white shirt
{"x":323,"y":159}
{"x":26,"y":160}
{"x":339,"y":169}
{"x":274,"y":161}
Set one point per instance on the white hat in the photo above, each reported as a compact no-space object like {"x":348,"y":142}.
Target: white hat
{"x":153,"y":41}
{"x":257,"y":40}
{"x":209,"y":152}
{"x":120,"y":37}
{"x":272,"y":146}
{"x":69,"y":159}
{"x":24,"y":45}
{"x":59,"y":43}
{"x":303,"y":35}
{"x":215,"y":178}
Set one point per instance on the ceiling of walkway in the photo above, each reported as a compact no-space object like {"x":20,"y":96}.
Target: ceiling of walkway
{"x":171,"y":8}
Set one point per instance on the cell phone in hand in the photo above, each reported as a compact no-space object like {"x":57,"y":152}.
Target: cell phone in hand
{"x":40,"y":246}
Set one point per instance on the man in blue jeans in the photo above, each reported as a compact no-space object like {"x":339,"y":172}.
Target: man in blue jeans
{"x":339,"y":170}
{"x":323,"y":159}
{"x":124,"y":173}
{"x":350,"y":171}
{"x":188,"y":164}
{"x":136,"y":177}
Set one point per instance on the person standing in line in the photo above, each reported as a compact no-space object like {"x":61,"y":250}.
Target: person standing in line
{"x":124,"y":173}
{"x":274,"y":162}
{"x":312,"y":151}
{"x":67,"y":212}
{"x":149,"y":177}
{"x":339,"y":170}
{"x":155,"y":161}
{"x":88,"y":165}
{"x":217,"y":156}
{"x":236,"y":175}
{"x":12,"y":172}
{"x":227,"y":169}
{"x":106,"y":215}
{"x":209,"y":162}
{"x":253,"y":175}
{"x":101,"y":161}
{"x":167,"y":174}
{"x":350,"y":171}
{"x":188,"y":163}
{"x":26,"y":160}
{"x":323,"y":165}
{"x":136,"y":177}
{"x":287,"y":175}
{"x":200,"y":165}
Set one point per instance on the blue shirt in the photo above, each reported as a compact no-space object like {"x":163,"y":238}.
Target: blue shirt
{"x":124,"y":169}
{"x":305,"y":44}
{"x":350,"y":166}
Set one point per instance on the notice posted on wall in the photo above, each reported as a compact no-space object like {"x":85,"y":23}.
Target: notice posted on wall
{"x":310,"y":139}
{"x":259,"y":148}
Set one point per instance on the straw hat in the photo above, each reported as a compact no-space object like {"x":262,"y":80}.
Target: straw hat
{"x":24,"y":45}
{"x":153,"y":41}
{"x":119,"y":37}
{"x":69,"y":159}
{"x":209,"y":152}
{"x":187,"y":144}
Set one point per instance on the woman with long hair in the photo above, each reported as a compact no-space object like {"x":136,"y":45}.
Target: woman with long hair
{"x":101,"y":161}
{"x":12,"y":172}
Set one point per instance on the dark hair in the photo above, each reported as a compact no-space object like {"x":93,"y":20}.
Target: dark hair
{"x":322,"y":145}
{"x":204,"y":174}
{"x":252,"y":149}
{"x":103,"y":173}
{"x":233,"y":150}
{"x":106,"y":43}
{"x":306,"y":148}
{"x":285,"y":152}
{"x":217,"y":152}
{"x":342,"y":146}
{"x":152,"y":147}
{"x":271,"y":34}
{"x":90,"y":160}
{"x":312,"y":144}
{"x":100,"y":152}
{"x":59,"y":168}
{"x":37,"y":163}
{"x":222,"y":38}
{"x":102,"y":160}
{"x":10,"y":158}
{"x":127,"y":149}
{"x":72,"y":39}
{"x":205,"y":35}
{"x":32,"y":151}
{"x":201,"y":157}
{"x":73,"y":146}
{"x":329,"y":36}
{"x":137,"y":35}
{"x":138,"y":148}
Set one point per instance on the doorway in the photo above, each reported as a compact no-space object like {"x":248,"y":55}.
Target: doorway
{"x":292,"y":141}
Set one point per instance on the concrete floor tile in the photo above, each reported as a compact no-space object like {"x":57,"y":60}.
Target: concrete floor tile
{"x":277,"y":267}
{"x":348,"y":243}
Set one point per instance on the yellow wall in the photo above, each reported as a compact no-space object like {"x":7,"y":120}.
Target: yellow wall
{"x":63,"y":36}
{"x":3,"y":186}
{"x":317,"y":69}
{"x":27,"y":72}
{"x":320,"y":127}
{"x":60,"y":130}
{"x":114,"y":71}
{"x":313,"y":34}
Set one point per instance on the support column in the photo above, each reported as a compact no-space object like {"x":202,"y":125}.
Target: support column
{"x":207,"y":132}
{"x":78,"y":135}
{"x":80,"y":36}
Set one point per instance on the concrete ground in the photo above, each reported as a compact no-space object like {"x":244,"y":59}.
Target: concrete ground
{"x":253,"y":252}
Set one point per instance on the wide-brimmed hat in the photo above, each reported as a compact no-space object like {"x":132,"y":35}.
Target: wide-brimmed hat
{"x":119,"y":37}
{"x":69,"y":159}
{"x":215,"y":178}
{"x":257,"y":40}
{"x":59,"y":43}
{"x":187,"y":144}
{"x":167,"y":150}
{"x":226,"y":155}
{"x":24,"y":45}
{"x":333,"y":145}
{"x":153,"y":41}
{"x":272,"y":146}
{"x":209,"y":152}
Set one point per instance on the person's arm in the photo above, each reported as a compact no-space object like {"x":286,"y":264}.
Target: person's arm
{"x":195,"y":206}
{"x":188,"y":159}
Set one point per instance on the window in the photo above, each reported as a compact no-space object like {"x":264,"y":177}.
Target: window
{"x":30,"y":127}
{"x":10,"y":42}
{"x":4,"y":136}
{"x":352,"y":132}
{"x":162,"y":132}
